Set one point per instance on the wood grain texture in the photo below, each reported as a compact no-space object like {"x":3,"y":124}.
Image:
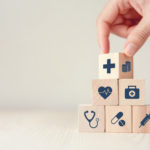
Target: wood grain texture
{"x":116,"y":73}
{"x":122,"y":60}
{"x":83,"y":123}
{"x":57,"y":130}
{"x":123,"y":86}
{"x":111,"y":112}
{"x":112,"y":99}
{"x":139,"y":113}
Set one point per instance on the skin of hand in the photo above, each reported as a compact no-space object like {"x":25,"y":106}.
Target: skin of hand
{"x":129,"y":19}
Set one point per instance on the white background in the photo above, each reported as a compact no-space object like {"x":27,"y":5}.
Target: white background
{"x":49,"y":53}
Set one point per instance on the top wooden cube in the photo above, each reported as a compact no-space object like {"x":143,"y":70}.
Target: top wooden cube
{"x":115,"y":66}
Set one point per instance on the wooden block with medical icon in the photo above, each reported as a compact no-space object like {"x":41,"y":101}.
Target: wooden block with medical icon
{"x":118,"y":119}
{"x":115,"y":66}
{"x":105,"y":92}
{"x":91,"y":118}
{"x":131,"y":92}
{"x":141,"y":119}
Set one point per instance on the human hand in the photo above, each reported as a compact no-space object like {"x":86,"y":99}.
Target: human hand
{"x":126,"y":18}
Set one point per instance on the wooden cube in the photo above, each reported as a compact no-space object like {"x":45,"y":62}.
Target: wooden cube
{"x":115,"y":66}
{"x":91,"y":118}
{"x":105,"y":92}
{"x":141,"y":119}
{"x":131,"y":92}
{"x":118,"y":119}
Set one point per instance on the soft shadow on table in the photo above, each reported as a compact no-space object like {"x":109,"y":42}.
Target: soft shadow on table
{"x":57,"y":130}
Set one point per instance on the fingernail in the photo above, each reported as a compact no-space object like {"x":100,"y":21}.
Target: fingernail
{"x":130,"y":49}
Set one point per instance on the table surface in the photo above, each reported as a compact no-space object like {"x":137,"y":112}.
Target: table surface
{"x":57,"y":130}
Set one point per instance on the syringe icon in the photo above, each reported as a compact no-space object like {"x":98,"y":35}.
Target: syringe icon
{"x":145,"y":120}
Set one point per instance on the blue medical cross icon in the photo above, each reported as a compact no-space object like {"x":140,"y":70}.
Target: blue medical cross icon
{"x":108,"y":66}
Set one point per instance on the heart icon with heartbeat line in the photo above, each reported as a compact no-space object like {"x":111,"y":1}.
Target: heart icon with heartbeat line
{"x":105,"y":91}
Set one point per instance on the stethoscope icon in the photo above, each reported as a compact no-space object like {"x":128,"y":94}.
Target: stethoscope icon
{"x":90,"y":120}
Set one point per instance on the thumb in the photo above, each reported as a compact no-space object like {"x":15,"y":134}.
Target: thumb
{"x":137,"y":37}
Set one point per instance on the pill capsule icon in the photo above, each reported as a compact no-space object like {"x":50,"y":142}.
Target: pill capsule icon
{"x":116,"y":118}
{"x":121,"y":123}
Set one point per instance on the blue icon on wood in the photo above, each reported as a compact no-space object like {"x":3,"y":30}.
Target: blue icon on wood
{"x":108,"y":66}
{"x":132,"y":92}
{"x":105,"y":91}
{"x":91,"y":119}
{"x":117,"y":118}
{"x":126,"y":67}
{"x":145,"y":120}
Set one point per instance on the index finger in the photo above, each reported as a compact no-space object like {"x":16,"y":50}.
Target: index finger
{"x":104,"y":21}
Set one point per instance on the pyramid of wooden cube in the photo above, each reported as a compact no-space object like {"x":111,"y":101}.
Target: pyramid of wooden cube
{"x":118,"y":100}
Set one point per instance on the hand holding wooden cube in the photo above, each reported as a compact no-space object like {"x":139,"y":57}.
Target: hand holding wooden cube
{"x":117,"y":99}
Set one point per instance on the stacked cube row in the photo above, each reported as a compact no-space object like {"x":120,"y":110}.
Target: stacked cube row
{"x":123,"y":119}
{"x":118,"y":99}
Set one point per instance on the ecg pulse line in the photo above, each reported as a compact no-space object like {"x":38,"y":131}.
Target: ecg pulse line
{"x":106,"y":92}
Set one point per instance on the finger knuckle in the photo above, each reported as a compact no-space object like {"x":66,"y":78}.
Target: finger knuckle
{"x":142,"y":34}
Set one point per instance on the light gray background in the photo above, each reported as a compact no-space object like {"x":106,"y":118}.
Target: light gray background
{"x":49,"y":53}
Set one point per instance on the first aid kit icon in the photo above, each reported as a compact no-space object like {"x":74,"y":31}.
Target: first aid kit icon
{"x":132,"y":92}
